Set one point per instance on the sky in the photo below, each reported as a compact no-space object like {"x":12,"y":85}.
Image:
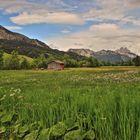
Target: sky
{"x":64,"y":24}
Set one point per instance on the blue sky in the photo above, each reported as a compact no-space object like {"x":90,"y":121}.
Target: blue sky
{"x":64,"y":24}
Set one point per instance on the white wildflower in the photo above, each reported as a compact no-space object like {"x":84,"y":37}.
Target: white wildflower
{"x":13,"y":94}
{"x":4,"y":96}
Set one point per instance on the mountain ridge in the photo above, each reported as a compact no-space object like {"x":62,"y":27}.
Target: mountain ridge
{"x":122,"y":54}
{"x":10,"y":41}
{"x":9,"y":35}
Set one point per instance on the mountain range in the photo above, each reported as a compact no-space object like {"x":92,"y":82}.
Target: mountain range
{"x":10,"y":41}
{"x":122,"y":54}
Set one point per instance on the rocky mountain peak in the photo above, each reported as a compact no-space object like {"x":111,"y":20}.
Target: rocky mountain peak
{"x":102,"y":52}
{"x":82,"y":52}
{"x":123,"y":50}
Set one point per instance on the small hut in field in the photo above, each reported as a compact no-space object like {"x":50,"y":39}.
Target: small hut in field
{"x":56,"y":65}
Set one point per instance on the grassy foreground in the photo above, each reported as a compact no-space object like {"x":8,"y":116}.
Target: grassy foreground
{"x":74,"y":104}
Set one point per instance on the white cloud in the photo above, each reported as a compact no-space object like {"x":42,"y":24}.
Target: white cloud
{"x":104,"y":26}
{"x":111,"y":9}
{"x":131,"y":19}
{"x":16,"y":6}
{"x":114,"y":10}
{"x":65,"y":31}
{"x":30,"y":13}
{"x":62,"y":12}
{"x":59,"y":18}
{"x":133,"y":3}
{"x":13,"y":27}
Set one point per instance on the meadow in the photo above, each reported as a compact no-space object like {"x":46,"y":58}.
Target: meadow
{"x":74,"y":104}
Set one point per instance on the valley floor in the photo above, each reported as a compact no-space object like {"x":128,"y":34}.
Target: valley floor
{"x":74,"y":104}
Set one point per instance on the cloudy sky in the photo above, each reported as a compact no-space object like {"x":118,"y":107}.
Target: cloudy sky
{"x":64,"y":24}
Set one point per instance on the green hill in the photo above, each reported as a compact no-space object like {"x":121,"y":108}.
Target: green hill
{"x":29,"y":59}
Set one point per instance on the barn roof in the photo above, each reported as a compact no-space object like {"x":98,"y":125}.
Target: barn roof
{"x":56,"y":61}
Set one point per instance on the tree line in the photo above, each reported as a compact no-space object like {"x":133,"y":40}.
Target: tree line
{"x":14,"y":62}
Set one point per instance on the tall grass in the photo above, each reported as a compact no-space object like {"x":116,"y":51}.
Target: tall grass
{"x":107,"y":101}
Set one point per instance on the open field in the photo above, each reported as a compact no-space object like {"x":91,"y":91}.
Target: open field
{"x":74,"y":104}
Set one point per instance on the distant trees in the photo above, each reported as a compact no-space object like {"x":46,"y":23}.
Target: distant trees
{"x":105,"y":63}
{"x":136,"y":61}
{"x":1,"y":59}
{"x":69,"y":62}
{"x":40,"y":62}
{"x":124,"y":63}
{"x":92,"y":62}
{"x":14,"y":62}
{"x":129,"y":63}
{"x":50,"y":58}
{"x":24,"y":64}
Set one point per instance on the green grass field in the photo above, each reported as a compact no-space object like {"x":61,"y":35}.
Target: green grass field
{"x":74,"y":104}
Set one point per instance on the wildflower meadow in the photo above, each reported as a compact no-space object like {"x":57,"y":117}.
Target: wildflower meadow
{"x":74,"y":104}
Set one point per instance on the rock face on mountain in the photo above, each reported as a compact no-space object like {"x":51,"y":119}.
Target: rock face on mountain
{"x":83,"y":52}
{"x":108,"y":55}
{"x":122,"y":54}
{"x":11,"y":36}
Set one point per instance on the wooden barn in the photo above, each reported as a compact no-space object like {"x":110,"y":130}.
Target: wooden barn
{"x":56,"y":65}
